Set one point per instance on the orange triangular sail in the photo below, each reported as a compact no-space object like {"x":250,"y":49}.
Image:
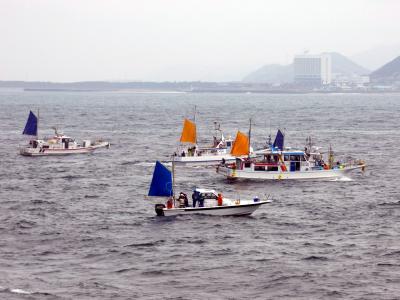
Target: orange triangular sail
{"x":241,"y":145}
{"x":188,"y":132}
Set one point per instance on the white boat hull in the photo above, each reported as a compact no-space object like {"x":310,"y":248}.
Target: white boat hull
{"x":226,"y":210}
{"x":280,"y":175}
{"x":28,"y":151}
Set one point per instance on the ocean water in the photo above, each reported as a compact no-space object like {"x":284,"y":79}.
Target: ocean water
{"x":81,"y":227}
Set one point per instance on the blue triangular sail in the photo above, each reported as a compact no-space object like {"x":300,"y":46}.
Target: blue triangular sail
{"x":279,"y":140}
{"x":161,"y":184}
{"x":31,"y":125}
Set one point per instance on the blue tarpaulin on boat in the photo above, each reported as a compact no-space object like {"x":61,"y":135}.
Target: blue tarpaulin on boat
{"x":279,"y":140}
{"x":161,"y":184}
{"x":31,"y":125}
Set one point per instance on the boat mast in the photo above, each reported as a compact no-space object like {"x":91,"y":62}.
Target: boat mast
{"x":173,"y":178}
{"x":330,"y":157}
{"x":37,"y":125}
{"x":249,"y":137}
{"x":194,"y":120}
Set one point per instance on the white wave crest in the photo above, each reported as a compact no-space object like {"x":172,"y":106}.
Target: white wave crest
{"x":344,"y":178}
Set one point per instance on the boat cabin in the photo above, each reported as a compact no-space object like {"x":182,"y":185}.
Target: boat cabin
{"x":207,"y":194}
{"x":275,"y":161}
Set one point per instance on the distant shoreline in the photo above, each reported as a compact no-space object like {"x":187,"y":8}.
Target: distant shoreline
{"x":184,"y":87}
{"x":210,"y":91}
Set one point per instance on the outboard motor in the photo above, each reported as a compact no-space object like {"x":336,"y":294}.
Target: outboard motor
{"x":159,"y":209}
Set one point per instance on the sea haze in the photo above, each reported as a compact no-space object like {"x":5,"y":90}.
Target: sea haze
{"x":80,"y":227}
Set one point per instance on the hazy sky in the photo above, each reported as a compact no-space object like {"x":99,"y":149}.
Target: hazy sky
{"x":72,"y":40}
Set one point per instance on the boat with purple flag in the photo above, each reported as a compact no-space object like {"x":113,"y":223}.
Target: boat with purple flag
{"x":59,"y":144}
{"x":277,"y":162}
{"x":205,"y":201}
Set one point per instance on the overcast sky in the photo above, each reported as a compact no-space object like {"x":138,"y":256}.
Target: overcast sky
{"x":73,"y":40}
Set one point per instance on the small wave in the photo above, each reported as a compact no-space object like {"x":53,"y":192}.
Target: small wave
{"x":154,"y":273}
{"x":149,"y":244}
{"x":24,"y":224}
{"x":20,"y":291}
{"x":16,"y":291}
{"x":91,"y":196}
{"x":387,"y":265}
{"x":92,"y":255}
{"x":394,"y":253}
{"x":197,"y":241}
{"x":47,"y":253}
{"x":314,"y":257}
{"x":334,"y":293}
{"x":263,"y":259}
{"x":390,"y":203}
{"x":138,"y":163}
{"x":71,"y":177}
{"x":125,"y":270}
{"x":38,"y":201}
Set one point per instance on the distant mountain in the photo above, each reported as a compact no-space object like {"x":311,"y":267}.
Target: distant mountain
{"x":376,"y":57}
{"x":388,"y":74}
{"x":285,"y":73}
{"x":343,"y":65}
{"x":272,"y":74}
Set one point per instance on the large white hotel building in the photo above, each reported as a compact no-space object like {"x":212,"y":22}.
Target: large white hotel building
{"x":313,"y":70}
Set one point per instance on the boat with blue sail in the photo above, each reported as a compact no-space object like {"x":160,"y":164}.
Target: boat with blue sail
{"x":204,"y":201}
{"x":59,"y":144}
{"x":278,"y":162}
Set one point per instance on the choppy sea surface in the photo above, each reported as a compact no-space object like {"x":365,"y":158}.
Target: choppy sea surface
{"x":80,"y":227}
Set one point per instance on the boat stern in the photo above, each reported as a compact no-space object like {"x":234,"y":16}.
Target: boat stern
{"x":29,"y":151}
{"x":226,"y":171}
{"x":159,"y":208}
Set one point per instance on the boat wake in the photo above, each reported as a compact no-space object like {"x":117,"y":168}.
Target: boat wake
{"x":16,"y":291}
{"x":344,"y":178}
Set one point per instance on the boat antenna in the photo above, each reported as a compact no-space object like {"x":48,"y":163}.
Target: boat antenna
{"x":270,"y":135}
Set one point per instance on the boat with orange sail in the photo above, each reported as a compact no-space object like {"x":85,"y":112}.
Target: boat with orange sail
{"x":278,"y":163}
{"x":189,"y":152}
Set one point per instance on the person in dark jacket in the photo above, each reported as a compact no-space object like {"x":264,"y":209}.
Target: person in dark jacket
{"x":195,"y":198}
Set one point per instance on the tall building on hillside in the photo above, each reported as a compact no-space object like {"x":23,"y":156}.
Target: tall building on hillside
{"x":313,"y":70}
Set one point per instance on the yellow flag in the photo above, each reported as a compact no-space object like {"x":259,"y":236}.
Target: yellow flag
{"x":188,"y":132}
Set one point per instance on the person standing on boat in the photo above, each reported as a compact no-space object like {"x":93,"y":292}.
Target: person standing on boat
{"x":195,"y":197}
{"x":201,"y":200}
{"x":185,"y":200}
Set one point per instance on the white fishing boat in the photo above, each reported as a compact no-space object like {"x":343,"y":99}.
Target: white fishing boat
{"x":59,"y":144}
{"x":205,"y":202}
{"x":279,"y":163}
{"x":190,"y":153}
